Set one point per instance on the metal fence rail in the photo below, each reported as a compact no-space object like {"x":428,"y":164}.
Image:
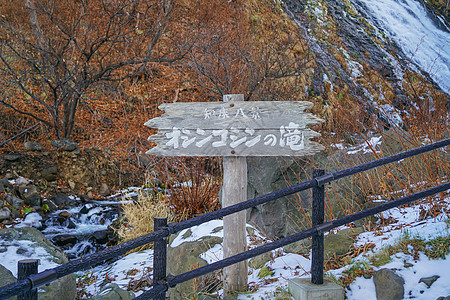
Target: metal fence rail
{"x":162,"y":231}
{"x":173,"y":281}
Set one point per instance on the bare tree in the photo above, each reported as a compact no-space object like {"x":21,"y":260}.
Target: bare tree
{"x":68,"y":48}
{"x":231,"y":59}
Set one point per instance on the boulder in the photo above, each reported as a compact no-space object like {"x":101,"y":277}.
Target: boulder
{"x":185,"y":257}
{"x":5,"y":183}
{"x":388,"y":285}
{"x":64,"y":239}
{"x":5,"y":213}
{"x":30,"y":194}
{"x":340,"y":242}
{"x":113,"y":292}
{"x":50,"y":173}
{"x":101,"y":236}
{"x":269,"y":174}
{"x":14,"y":201}
{"x":25,"y":243}
{"x":62,"y":201}
{"x":6,"y":277}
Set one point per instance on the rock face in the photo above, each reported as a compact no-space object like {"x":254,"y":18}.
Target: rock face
{"x":185,"y":257}
{"x":288,"y":215}
{"x":388,"y":285}
{"x":29,"y":242}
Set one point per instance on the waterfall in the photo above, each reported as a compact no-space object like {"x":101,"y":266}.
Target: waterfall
{"x":423,"y":37}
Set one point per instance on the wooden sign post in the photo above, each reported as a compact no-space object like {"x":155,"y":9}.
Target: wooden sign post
{"x":235,"y":129}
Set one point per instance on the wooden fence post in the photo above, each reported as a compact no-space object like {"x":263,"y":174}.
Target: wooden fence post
{"x":25,"y":268}
{"x":317,"y":238}
{"x":159,"y":256}
{"x":234,"y":238}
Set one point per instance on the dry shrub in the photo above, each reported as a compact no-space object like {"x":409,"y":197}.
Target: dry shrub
{"x":192,"y":184}
{"x":139,"y":214}
{"x":424,"y":121}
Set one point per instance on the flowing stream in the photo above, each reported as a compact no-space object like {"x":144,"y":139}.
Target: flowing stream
{"x":423,"y":37}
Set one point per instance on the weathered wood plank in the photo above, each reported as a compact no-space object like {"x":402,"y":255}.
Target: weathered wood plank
{"x":234,"y":232}
{"x":215,"y":115}
{"x":291,"y":141}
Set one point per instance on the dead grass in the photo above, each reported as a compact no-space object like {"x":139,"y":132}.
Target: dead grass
{"x":139,"y":215}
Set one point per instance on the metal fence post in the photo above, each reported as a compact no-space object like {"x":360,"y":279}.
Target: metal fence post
{"x":317,"y":238}
{"x":159,"y":256}
{"x":25,"y":268}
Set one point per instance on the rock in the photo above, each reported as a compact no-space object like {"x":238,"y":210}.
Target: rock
{"x":85,"y":209}
{"x":444,"y":298}
{"x":65,"y":145}
{"x":112,"y":291}
{"x":184,"y":258}
{"x":30,"y":243}
{"x":30,"y":194}
{"x":65,"y":214}
{"x":50,"y":173}
{"x":100,"y":236}
{"x":14,"y":201}
{"x":5,"y":185}
{"x":33,"y":146}
{"x":64,"y":239}
{"x":71,"y":224}
{"x":71,"y":184}
{"x":5,"y":213}
{"x":388,"y":285}
{"x":269,"y":174}
{"x":104,"y":190}
{"x":300,"y":247}
{"x":6,"y":277}
{"x":260,"y":260}
{"x":11,"y":157}
{"x":62,"y":200}
{"x":429,"y":280}
{"x":21,"y":180}
{"x":15,"y":214}
{"x":338,"y":244}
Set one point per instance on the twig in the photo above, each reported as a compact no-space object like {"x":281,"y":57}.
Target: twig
{"x":17,"y":135}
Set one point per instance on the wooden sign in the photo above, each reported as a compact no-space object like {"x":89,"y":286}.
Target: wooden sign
{"x":235,"y":129}
{"x":257,"y":128}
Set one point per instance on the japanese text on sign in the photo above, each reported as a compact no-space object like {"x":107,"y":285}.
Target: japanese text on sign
{"x":289,"y":136}
{"x":223,"y":113}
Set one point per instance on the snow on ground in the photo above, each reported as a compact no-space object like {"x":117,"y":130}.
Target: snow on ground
{"x":406,"y":221}
{"x":24,"y":249}
{"x":288,"y":265}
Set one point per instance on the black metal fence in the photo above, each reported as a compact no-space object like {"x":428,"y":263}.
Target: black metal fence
{"x":27,"y":283}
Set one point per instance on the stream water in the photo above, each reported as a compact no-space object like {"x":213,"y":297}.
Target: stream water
{"x":82,"y":229}
{"x":423,"y":37}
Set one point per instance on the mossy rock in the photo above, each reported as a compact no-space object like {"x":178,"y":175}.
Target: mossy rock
{"x":186,"y":257}
{"x":338,"y":244}
{"x":31,"y":242}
